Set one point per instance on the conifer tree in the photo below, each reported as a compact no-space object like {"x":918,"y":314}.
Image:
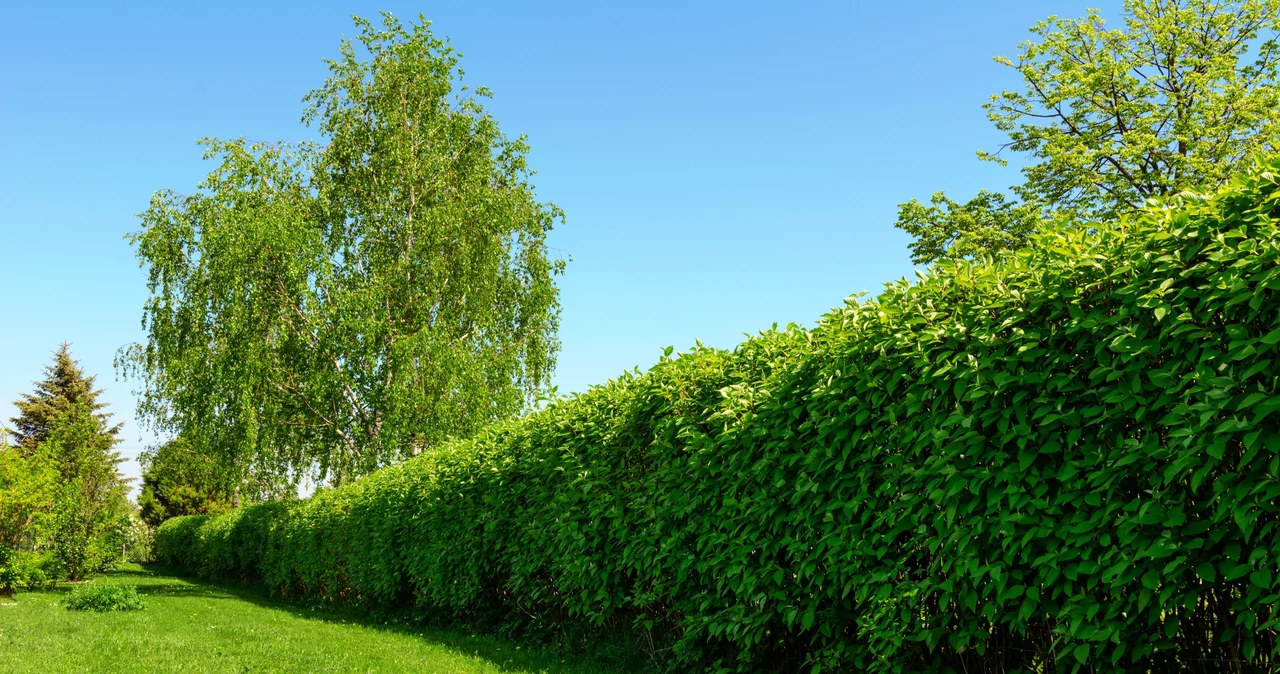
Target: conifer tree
{"x":62,"y":423}
{"x":64,"y":386}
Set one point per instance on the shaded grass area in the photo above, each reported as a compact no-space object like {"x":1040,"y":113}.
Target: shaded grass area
{"x":189,"y":626}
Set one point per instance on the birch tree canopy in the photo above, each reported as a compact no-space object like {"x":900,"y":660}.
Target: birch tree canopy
{"x":1178,"y":95}
{"x":327,"y":308}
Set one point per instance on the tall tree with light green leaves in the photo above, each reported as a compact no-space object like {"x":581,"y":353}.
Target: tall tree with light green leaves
{"x":326,"y":309}
{"x":28,"y":487}
{"x":1179,"y":96}
{"x":92,"y":495}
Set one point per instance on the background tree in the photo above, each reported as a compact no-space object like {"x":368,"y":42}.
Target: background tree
{"x":985,"y":223}
{"x":66,"y":465}
{"x":63,"y":387}
{"x":328,"y":309}
{"x":92,"y":495}
{"x":177,"y":480}
{"x":1178,"y":98}
{"x":139,"y":538}
{"x":28,"y":485}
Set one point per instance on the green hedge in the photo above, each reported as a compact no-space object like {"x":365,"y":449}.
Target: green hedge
{"x":1069,"y":456}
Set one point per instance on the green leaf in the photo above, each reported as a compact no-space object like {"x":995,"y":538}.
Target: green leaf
{"x":1252,"y":400}
{"x":1235,"y":571}
{"x":1026,"y":457}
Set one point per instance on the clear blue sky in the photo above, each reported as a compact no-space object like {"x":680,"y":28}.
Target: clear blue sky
{"x":723,"y":166}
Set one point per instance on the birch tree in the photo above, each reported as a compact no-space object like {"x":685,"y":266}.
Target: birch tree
{"x":1180,"y":95}
{"x":327,"y":308}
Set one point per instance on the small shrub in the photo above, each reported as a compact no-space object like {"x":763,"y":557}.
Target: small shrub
{"x":36,"y":570}
{"x":104,"y":598}
{"x":26,"y":570}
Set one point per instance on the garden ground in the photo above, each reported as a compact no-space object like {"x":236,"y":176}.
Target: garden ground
{"x":190,"y":626}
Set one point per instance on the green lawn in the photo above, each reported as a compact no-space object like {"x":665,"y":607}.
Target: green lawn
{"x":195,"y":627}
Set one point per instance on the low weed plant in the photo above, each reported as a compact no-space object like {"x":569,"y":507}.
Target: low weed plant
{"x":104,"y":598}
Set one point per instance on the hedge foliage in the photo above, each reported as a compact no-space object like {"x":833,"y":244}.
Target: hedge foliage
{"x":1068,"y":458}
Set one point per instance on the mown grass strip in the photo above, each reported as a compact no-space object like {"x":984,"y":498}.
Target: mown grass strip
{"x":196,"y":627}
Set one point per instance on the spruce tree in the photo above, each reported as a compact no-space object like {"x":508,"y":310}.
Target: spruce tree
{"x":64,"y":387}
{"x":62,"y":422}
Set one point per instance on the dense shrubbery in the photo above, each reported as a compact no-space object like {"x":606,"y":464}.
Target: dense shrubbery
{"x":1069,"y":456}
{"x":104,"y":598}
{"x":28,"y":569}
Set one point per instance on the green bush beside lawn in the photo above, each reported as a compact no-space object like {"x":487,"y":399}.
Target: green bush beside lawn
{"x":1070,"y":455}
